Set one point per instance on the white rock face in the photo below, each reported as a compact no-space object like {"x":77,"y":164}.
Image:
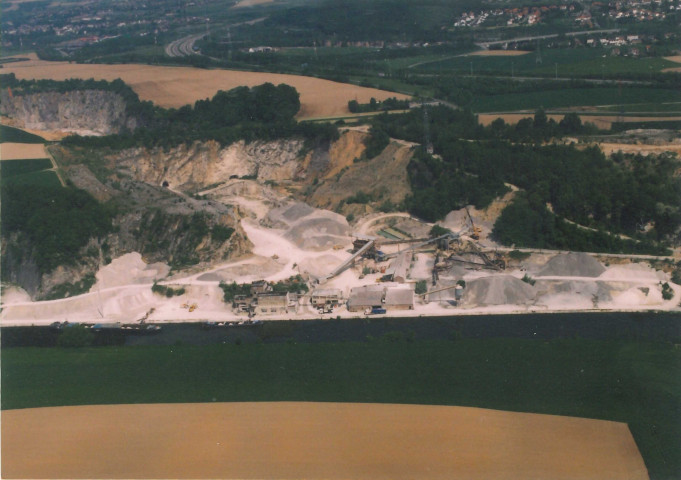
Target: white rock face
{"x":93,"y":112}
{"x":204,"y":164}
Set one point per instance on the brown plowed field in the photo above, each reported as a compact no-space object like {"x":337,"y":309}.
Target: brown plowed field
{"x":178,"y":86}
{"x":312,"y":440}
{"x":21,"y":151}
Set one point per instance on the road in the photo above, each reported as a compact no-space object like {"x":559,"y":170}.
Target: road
{"x":184,"y":46}
{"x":542,"y":37}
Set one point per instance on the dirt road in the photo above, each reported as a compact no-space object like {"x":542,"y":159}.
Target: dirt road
{"x":312,"y":440}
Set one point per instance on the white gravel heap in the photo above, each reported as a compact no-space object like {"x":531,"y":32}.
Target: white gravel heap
{"x":573,"y":264}
{"x":498,"y":290}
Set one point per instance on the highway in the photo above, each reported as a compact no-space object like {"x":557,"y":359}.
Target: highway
{"x":542,"y":37}
{"x":184,"y":46}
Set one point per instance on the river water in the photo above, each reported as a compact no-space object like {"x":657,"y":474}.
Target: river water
{"x":645,"y":326}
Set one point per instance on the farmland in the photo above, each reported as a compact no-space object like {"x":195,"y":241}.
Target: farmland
{"x":564,"y":62}
{"x":571,"y":97}
{"x":178,"y":86}
{"x":14,"y":135}
{"x":624,"y":381}
{"x":312,"y":440}
{"x":21,"y":151}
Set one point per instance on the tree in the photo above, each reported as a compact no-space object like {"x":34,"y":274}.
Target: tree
{"x":571,"y":123}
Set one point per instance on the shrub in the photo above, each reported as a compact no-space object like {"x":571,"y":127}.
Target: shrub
{"x":667,"y":291}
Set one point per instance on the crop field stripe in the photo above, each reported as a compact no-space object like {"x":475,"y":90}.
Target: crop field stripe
{"x":43,"y":178}
{"x":15,"y":135}
{"x":631,"y":382}
{"x":312,"y":440}
{"x":570,"y":97}
{"x":10,"y":168}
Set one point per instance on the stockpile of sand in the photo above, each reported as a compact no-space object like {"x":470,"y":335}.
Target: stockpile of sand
{"x":122,"y":305}
{"x":309,"y":228}
{"x":634,"y":271}
{"x":498,"y":290}
{"x":251,"y":270}
{"x":573,"y":294}
{"x":637,"y":296}
{"x":573,"y":264}
{"x":129,"y":269}
{"x":314,"y":441}
{"x":13,"y":294}
{"x":318,"y":233}
{"x":319,"y":266}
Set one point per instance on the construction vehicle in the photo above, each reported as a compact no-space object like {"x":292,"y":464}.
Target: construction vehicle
{"x":475,"y":230}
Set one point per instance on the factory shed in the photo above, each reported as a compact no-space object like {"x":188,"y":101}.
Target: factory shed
{"x":269,"y":303}
{"x":365,"y":297}
{"x":399,"y":268}
{"x":399,"y":298}
{"x":326,"y":296}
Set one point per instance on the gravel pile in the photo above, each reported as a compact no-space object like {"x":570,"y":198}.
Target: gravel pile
{"x":574,"y":264}
{"x":498,"y":290}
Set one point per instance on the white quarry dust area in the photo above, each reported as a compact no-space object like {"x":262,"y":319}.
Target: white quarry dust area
{"x":291,"y":238}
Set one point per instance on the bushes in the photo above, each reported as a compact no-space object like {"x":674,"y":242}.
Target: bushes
{"x":220,"y":233}
{"x":167,"y":291}
{"x":230,"y":290}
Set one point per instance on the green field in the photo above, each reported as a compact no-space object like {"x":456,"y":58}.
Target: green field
{"x":573,"y":62}
{"x":12,"y":168}
{"x":625,"y":381}
{"x":569,"y":97}
{"x":667,"y":108}
{"x":14,"y":135}
{"x":42,"y":178}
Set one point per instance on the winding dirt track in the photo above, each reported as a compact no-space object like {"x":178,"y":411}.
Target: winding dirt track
{"x":312,"y":440}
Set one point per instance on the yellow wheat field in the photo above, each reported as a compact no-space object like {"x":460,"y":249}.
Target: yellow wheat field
{"x":312,"y":441}
{"x":178,"y":86}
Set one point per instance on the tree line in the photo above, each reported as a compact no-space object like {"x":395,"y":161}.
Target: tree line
{"x":473,"y":164}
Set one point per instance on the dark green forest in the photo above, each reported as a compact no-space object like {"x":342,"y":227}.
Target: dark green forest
{"x":52,"y":223}
{"x":264,"y":112}
{"x":473,"y":164}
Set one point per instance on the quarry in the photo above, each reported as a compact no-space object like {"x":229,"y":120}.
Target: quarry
{"x":288,"y":229}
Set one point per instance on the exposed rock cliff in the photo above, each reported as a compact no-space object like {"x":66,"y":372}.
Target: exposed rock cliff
{"x":92,"y":112}
{"x":202,"y":164}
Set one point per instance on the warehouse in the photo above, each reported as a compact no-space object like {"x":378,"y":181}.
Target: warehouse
{"x":378,"y":296}
{"x":326,"y":297}
{"x":366,"y":297}
{"x":269,"y":303}
{"x":399,"y":298}
{"x":399,"y":268}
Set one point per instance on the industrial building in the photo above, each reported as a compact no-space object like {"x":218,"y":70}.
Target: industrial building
{"x":269,"y":303}
{"x":399,"y":268}
{"x":379,"y":296}
{"x":325,"y":297}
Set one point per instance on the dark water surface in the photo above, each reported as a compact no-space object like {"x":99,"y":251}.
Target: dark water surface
{"x":603,"y":326}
